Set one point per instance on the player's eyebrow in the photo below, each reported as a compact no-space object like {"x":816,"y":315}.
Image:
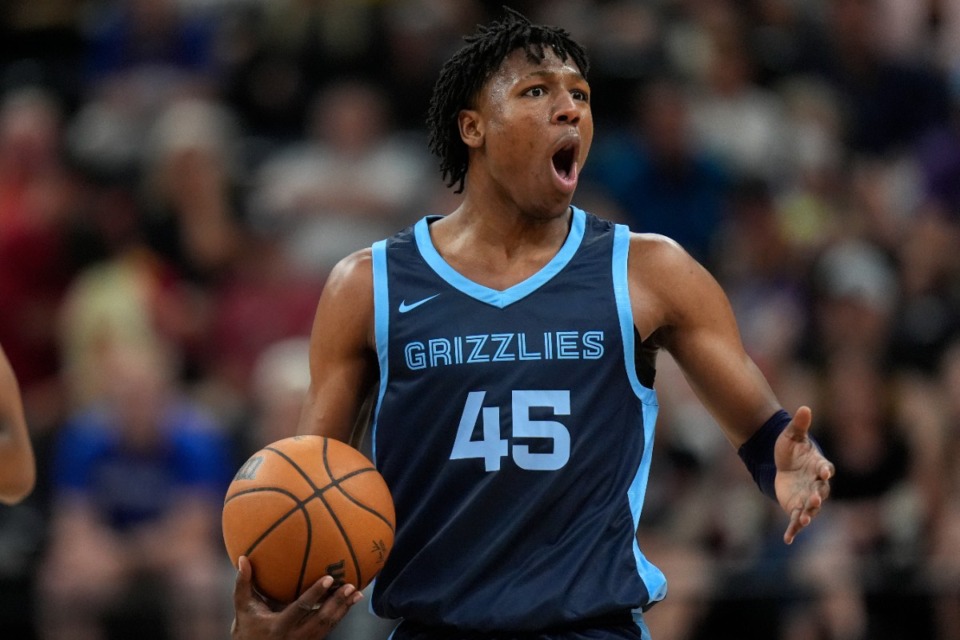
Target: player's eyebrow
{"x":541,"y":73}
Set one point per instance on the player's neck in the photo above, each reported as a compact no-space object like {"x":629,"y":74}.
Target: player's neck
{"x":497,"y":249}
{"x":507,"y":228}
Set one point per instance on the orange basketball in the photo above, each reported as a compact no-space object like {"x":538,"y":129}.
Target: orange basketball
{"x":305,"y":507}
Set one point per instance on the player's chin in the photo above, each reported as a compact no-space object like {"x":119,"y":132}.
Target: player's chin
{"x":552,"y":205}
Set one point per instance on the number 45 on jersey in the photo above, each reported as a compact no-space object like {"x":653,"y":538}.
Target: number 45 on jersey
{"x":491,"y":448}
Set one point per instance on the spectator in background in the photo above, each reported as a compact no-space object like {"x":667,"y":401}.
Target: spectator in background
{"x":733,"y":117}
{"x":282,"y":51}
{"x":163,"y":250}
{"x":265,"y":300}
{"x":809,"y":201}
{"x":354,"y":179}
{"x":279,"y":381}
{"x":141,"y":56}
{"x":43,"y":46}
{"x":191,"y":206}
{"x":191,"y":213}
{"x":943,"y":564}
{"x":763,"y":273}
{"x":859,"y":566}
{"x":938,"y":160}
{"x":419,"y":35}
{"x":129,"y":299}
{"x":658,"y":176}
{"x":142,"y":42}
{"x":888,"y":102}
{"x":855,"y":293}
{"x":36,"y":209}
{"x":927,"y":316}
{"x":923,"y":31}
{"x":138,"y":480}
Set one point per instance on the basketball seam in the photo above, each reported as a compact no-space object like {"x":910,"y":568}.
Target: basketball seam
{"x":297,"y":467}
{"x":306,"y":551}
{"x":346,"y":540}
{"x":260,"y":490}
{"x":299,"y":506}
{"x":336,"y":520}
{"x":361,"y":505}
{"x":303,"y":474}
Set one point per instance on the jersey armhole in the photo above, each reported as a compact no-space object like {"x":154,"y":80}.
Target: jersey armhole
{"x":637,"y":357}
{"x":381,"y":319}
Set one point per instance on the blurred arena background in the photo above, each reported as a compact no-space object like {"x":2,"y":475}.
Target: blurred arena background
{"x":177,"y":177}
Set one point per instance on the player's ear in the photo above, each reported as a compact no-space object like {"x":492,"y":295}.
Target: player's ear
{"x":471,"y":127}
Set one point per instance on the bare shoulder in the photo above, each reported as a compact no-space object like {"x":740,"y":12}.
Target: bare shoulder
{"x":346,"y":304}
{"x":654,"y":252}
{"x":354,"y":273}
{"x":668,"y":287}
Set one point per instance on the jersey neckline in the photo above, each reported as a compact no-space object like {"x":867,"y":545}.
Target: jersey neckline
{"x":495,"y":297}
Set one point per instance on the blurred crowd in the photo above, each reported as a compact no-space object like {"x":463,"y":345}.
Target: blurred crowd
{"x":177,"y":177}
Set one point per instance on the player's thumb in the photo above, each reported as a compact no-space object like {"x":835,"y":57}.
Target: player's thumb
{"x":243,"y":588}
{"x":799,"y":427}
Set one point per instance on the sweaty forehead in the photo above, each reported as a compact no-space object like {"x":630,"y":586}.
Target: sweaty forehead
{"x":520,"y":64}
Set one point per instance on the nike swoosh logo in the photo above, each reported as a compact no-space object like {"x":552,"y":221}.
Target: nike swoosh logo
{"x":404,"y":307}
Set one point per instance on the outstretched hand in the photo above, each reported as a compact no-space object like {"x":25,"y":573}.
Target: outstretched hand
{"x":803,"y":474}
{"x":309,"y":617}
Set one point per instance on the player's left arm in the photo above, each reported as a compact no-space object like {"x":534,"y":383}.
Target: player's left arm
{"x":17,"y":466}
{"x":677,"y":301}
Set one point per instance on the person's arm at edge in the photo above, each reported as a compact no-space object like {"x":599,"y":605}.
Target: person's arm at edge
{"x":18,"y":472}
{"x":343,"y":370}
{"x":676,"y":298}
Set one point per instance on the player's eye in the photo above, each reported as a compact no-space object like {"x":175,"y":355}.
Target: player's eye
{"x":580,"y":95}
{"x":535,"y":92}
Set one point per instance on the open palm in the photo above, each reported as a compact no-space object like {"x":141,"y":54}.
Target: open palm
{"x":803,"y":474}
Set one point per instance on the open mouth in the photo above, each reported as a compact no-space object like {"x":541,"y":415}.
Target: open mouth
{"x":563,"y":161}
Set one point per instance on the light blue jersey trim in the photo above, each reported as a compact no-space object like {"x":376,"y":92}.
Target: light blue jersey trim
{"x":500,"y":299}
{"x":652,"y":577}
{"x":644,"y":630}
{"x":381,"y":321}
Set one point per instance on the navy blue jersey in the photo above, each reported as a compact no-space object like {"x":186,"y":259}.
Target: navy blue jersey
{"x":515,"y":437}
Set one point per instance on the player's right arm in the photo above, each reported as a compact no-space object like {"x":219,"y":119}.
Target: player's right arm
{"x":343,"y":371}
{"x":343,"y":359}
{"x":17,"y":467}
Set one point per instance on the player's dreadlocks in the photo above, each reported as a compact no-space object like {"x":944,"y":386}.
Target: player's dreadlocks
{"x":463,"y":75}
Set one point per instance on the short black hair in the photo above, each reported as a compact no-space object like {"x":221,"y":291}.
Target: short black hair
{"x":465,"y":73}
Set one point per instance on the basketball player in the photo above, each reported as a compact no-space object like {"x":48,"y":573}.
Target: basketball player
{"x":17,"y":467}
{"x":511,"y":347}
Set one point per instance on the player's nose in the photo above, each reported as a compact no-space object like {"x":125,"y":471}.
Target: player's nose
{"x":566,"y":110}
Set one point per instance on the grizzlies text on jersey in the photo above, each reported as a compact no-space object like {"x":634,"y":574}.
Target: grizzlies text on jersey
{"x":512,"y":422}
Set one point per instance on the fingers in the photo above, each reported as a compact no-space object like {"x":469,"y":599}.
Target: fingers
{"x":800,"y":518}
{"x":319,"y":606}
{"x":825,"y":472}
{"x":793,"y":528}
{"x":312,"y":615}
